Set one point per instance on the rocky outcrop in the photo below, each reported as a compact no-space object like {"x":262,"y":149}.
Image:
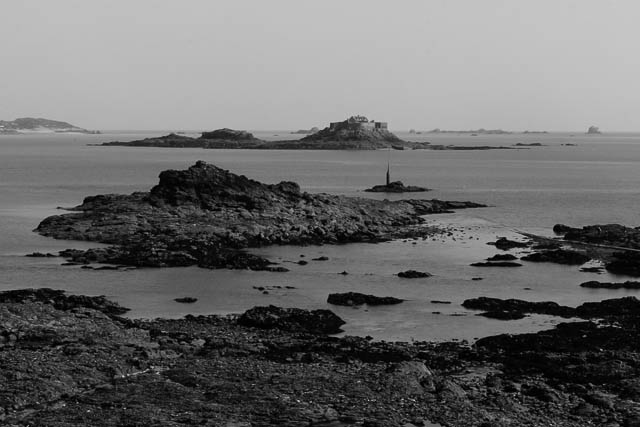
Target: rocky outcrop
{"x":518,"y":306}
{"x":558,"y":256}
{"x":593,"y":130}
{"x":172,"y":140}
{"x":496,"y":264}
{"x":505,"y":244}
{"x":219,"y":138}
{"x":351,"y":299}
{"x":604,"y":234}
{"x":502,"y":257}
{"x":396,"y":187}
{"x":627,"y":263}
{"x":208,"y":216}
{"x":593,"y":284}
{"x":78,"y":366}
{"x":292,"y":320}
{"x":413,"y":274}
{"x":61,"y":301}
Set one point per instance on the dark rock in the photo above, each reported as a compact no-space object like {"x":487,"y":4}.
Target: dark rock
{"x":171,"y":140}
{"x":355,"y":298}
{"x":503,"y":315}
{"x":229,"y":135}
{"x":592,"y":269}
{"x":502,"y":257}
{"x":40,"y":255}
{"x":603,"y":234}
{"x":505,"y":244}
{"x":546,"y":246}
{"x":395,"y":187}
{"x":496,"y":264}
{"x":609,"y":285}
{"x":186,"y":300}
{"x":207,"y":216}
{"x":627,"y":263}
{"x":302,"y":262}
{"x":435,"y":301}
{"x":413,"y":274}
{"x":475,"y":279}
{"x":558,"y":256}
{"x":562,"y":229}
{"x":292,"y":319}
{"x":321,"y":258}
{"x":626,"y":306}
{"x":518,"y":306}
{"x":61,"y":301}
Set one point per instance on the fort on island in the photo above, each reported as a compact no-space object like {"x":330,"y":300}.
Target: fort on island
{"x":357,"y":123}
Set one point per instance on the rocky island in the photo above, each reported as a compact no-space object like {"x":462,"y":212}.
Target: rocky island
{"x":30,"y":124}
{"x":208,"y":216}
{"x":354,"y":133}
{"x":593,"y":130}
{"x":396,"y":187}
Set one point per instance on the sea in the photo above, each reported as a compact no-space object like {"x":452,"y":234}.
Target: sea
{"x":574,"y":179}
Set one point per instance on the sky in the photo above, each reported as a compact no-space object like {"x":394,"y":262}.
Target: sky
{"x":556,"y":65}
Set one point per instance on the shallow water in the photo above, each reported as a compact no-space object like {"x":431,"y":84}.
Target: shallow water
{"x":596,"y":181}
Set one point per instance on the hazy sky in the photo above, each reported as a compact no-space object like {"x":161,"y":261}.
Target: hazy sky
{"x":289,"y":64}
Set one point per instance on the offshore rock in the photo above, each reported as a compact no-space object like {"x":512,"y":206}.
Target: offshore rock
{"x":350,"y":299}
{"x":558,"y":256}
{"x":517,"y":305}
{"x":603,"y":234}
{"x":505,"y":244}
{"x":292,"y":320}
{"x":593,"y":284}
{"x":208,"y":216}
{"x":413,"y":274}
{"x":502,"y":257}
{"x":396,"y":187}
{"x":496,"y":264}
{"x":627,"y":263}
{"x":171,"y":140}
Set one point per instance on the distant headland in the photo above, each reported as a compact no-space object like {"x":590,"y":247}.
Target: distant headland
{"x":39,"y":125}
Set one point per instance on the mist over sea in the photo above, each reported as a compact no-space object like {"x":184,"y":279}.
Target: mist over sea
{"x":594,"y":182}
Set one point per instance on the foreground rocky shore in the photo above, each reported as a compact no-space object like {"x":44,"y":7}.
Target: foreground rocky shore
{"x":73,"y":361}
{"x":207,"y":216}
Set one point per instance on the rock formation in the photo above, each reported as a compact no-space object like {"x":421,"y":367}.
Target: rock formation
{"x":351,"y":299}
{"x":396,"y":187}
{"x":593,"y":130}
{"x":207,"y":216}
{"x":74,"y":365}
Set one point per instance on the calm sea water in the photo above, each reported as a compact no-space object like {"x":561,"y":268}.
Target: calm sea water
{"x":596,"y":181}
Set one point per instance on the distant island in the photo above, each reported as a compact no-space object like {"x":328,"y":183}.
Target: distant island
{"x":306,"y":131}
{"x":593,"y":130}
{"x":480,"y":131}
{"x":30,"y":124}
{"x":354,"y":133}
